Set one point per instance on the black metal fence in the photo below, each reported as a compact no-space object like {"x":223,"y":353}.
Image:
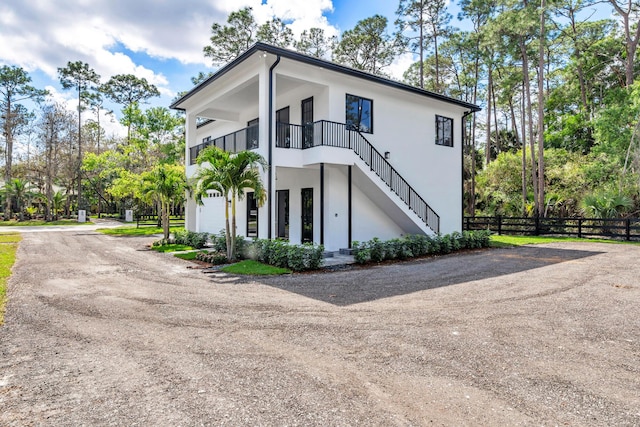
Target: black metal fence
{"x":616,"y":228}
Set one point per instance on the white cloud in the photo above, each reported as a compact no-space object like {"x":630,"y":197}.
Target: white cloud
{"x":400,"y":65}
{"x":110,"y":125}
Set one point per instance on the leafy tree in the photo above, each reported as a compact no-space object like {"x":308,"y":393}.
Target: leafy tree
{"x":164,"y":184}
{"x":128,"y":91}
{"x":314,"y":42}
{"x":368,"y":46}
{"x":425,"y":20}
{"x":629,"y":11}
{"x":57,"y":203}
{"x":229,"y":41}
{"x":77,"y":75}
{"x":275,"y":33}
{"x":229,"y":174}
{"x":14,"y":87}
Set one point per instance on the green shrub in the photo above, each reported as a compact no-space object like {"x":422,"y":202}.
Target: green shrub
{"x":215,"y":258}
{"x":219,"y":244}
{"x":282,"y":254}
{"x":361,"y":252}
{"x":191,"y":238}
{"x":411,"y":246}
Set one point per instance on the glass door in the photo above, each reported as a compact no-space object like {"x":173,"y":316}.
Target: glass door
{"x":307,"y":215}
{"x":282,"y":214}
{"x":252,"y":215}
{"x":307,"y":122}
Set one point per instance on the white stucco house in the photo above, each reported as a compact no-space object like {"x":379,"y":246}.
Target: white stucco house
{"x":352,"y":155}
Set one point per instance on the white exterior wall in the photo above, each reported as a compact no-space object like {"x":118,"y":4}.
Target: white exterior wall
{"x":210,"y":215}
{"x":295,"y":180}
{"x":403,"y":125}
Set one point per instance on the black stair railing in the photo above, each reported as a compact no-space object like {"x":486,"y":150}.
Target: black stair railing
{"x":339,"y":135}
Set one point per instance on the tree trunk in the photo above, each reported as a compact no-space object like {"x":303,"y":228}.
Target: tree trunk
{"x":232,"y":248}
{"x":226,"y":224}
{"x":487,"y":149}
{"x":527,"y":90}
{"x":8,"y":158}
{"x":165,"y":219}
{"x":540,"y":195}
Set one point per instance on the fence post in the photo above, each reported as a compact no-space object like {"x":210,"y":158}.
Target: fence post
{"x":627,"y":225}
{"x":499,"y":218}
{"x":537,"y":225}
{"x":579,"y":228}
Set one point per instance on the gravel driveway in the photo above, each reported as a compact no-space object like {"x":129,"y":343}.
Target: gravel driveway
{"x":101,"y":332}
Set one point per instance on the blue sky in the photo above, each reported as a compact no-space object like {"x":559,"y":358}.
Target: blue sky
{"x":160,"y":40}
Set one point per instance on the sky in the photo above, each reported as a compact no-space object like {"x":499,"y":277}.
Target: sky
{"x":160,"y":40}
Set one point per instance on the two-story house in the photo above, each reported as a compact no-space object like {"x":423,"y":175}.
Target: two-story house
{"x":351,"y":155}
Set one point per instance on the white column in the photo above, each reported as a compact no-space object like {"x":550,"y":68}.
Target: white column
{"x":190,"y":211}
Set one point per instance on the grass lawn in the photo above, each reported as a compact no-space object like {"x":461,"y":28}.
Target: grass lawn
{"x":127,"y":230}
{"x":13,"y":223}
{"x":189,"y":256}
{"x":503,"y":241}
{"x":8,"y":247}
{"x":254,"y":268}
{"x":174,"y":247}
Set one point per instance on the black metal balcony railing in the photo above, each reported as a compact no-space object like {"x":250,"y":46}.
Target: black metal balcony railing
{"x":243,"y":139}
{"x":330,"y":134}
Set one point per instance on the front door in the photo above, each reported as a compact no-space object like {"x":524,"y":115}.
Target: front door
{"x":282,"y":214}
{"x":307,"y":215}
{"x":307,"y":122}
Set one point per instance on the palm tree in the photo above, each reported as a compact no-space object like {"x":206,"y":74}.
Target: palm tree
{"x":164,"y":184}
{"x":20,"y":190}
{"x":230,"y":174}
{"x":57,"y":203}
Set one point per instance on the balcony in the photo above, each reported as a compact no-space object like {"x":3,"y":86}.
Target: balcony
{"x":241,"y":140}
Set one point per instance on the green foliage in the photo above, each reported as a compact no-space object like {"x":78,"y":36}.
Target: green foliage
{"x":610,"y":204}
{"x":187,"y":256}
{"x":411,"y":246}
{"x":280,"y":253}
{"x":229,"y":41}
{"x":8,"y":248}
{"x":164,"y":246}
{"x":229,"y":174}
{"x":368,"y":46}
{"x":215,"y":258}
{"x":191,"y":238}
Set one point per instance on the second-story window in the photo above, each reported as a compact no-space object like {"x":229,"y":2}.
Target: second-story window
{"x":359,"y":113}
{"x":444,"y":131}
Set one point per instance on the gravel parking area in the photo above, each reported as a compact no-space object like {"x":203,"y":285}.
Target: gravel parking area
{"x":100,"y":331}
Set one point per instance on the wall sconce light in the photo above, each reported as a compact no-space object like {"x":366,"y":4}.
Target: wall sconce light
{"x":387,"y":155}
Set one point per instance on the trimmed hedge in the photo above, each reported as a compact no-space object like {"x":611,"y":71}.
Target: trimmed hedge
{"x":410,"y":246}
{"x":282,"y":254}
{"x":191,"y":238}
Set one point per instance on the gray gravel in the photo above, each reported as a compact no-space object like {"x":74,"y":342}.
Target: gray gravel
{"x":100,"y":331}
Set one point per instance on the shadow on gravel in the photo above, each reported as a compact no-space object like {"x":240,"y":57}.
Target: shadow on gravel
{"x":358,"y":285}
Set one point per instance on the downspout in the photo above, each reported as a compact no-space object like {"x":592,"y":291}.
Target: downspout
{"x":463,"y":136}
{"x":270,"y":155}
